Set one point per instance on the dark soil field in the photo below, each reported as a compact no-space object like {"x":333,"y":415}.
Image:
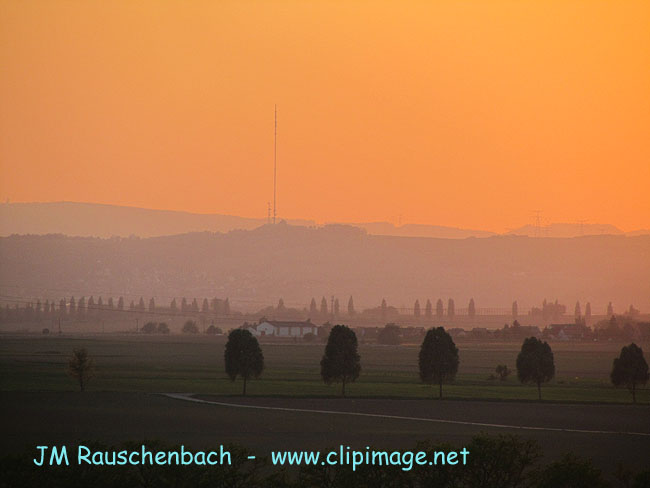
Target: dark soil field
{"x":581,"y":412}
{"x":31,"y":418}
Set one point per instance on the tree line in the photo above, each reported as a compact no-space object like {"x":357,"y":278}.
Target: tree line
{"x":438,"y":360}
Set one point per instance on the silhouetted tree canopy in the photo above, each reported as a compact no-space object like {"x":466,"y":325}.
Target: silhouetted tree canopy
{"x":341,"y":361}
{"x":515,"y":309}
{"x":440,"y":309}
{"x":535,"y":363}
{"x":630,"y":369}
{"x":451,"y":308}
{"x":438,"y":358}
{"x":149,"y":328}
{"x":390,"y":335}
{"x":243,"y":356}
{"x":190,"y":327}
{"x":351,"y":310}
{"x":471,"y":308}
{"x":416,"y":308}
{"x":428,"y":310}
{"x":81,"y":367}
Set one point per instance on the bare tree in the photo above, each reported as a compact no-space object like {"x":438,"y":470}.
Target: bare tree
{"x":81,"y":367}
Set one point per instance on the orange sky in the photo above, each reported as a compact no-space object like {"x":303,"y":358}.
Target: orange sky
{"x":462,"y":113}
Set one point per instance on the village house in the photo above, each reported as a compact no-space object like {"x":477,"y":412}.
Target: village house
{"x":275,"y":328}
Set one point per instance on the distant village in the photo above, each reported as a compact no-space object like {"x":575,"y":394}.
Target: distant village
{"x":384,"y":324}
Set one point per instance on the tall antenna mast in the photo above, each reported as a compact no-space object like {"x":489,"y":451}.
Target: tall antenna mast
{"x":275,"y":161}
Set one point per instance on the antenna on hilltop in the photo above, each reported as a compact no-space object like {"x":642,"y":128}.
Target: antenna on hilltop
{"x":275,"y":160}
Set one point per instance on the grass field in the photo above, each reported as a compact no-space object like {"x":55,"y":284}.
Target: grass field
{"x":39,"y":404}
{"x":195,"y":364}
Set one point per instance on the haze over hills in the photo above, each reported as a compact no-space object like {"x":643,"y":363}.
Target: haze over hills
{"x":257,"y":267}
{"x":99,"y":220}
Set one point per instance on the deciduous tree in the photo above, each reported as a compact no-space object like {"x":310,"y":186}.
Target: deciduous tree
{"x":438,"y":358}
{"x":341,"y":361}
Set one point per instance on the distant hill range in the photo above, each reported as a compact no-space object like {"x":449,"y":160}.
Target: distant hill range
{"x":99,"y":220}
{"x":255,"y":268}
{"x":573,"y":230}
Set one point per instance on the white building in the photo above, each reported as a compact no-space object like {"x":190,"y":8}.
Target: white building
{"x":276,"y":328}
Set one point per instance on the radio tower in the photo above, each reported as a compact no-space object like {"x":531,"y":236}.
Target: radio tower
{"x":275,"y":160}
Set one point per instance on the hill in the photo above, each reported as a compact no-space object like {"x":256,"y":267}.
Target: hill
{"x":257,"y":267}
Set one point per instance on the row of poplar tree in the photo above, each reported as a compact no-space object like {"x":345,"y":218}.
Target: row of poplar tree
{"x":438,"y":360}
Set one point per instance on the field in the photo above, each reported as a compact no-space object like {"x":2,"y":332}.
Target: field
{"x":123,"y":401}
{"x":195,"y":364}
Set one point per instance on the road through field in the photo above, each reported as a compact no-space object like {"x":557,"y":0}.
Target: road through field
{"x":191,"y":398}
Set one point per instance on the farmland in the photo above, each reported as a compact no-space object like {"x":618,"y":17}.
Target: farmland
{"x":195,"y":364}
{"x":40,"y":404}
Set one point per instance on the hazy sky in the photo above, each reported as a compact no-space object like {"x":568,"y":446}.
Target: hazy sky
{"x":462,"y":113}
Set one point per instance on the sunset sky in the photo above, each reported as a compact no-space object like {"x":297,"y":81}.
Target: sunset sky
{"x":461,"y":113}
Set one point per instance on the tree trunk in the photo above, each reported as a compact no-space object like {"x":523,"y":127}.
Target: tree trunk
{"x":440,"y":390}
{"x":244,"y":392}
{"x":633,"y":392}
{"x":539,"y":391}
{"x":343,"y":388}
{"x":81,"y":383}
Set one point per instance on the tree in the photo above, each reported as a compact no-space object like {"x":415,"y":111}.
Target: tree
{"x":578,"y":310}
{"x":323,"y":307}
{"x":428,"y":310}
{"x":152,"y":305}
{"x":313,"y":311}
{"x":110,"y":303}
{"x":226,"y":307}
{"x":341,"y":361}
{"x":390,"y":335}
{"x":120,"y":303}
{"x":351,"y":310}
{"x":172,"y":306}
{"x":243,"y":356}
{"x":336,"y":307}
{"x":515,"y":309}
{"x":588,"y":312}
{"x":213,"y":330}
{"x":149,"y":328}
{"x":163,"y":328}
{"x":471,"y":309}
{"x":535,"y":363}
{"x":451,"y":308}
{"x":190,"y":327}
{"x":141,"y":304}
{"x":569,"y":471}
{"x":610,"y":309}
{"x":502,"y":372}
{"x":630,"y":369}
{"x":440,"y":310}
{"x":280,"y":307}
{"x":205,"y":306}
{"x":384,"y":306}
{"x":81,"y":367}
{"x":438,"y":359}
{"x":416,"y":309}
